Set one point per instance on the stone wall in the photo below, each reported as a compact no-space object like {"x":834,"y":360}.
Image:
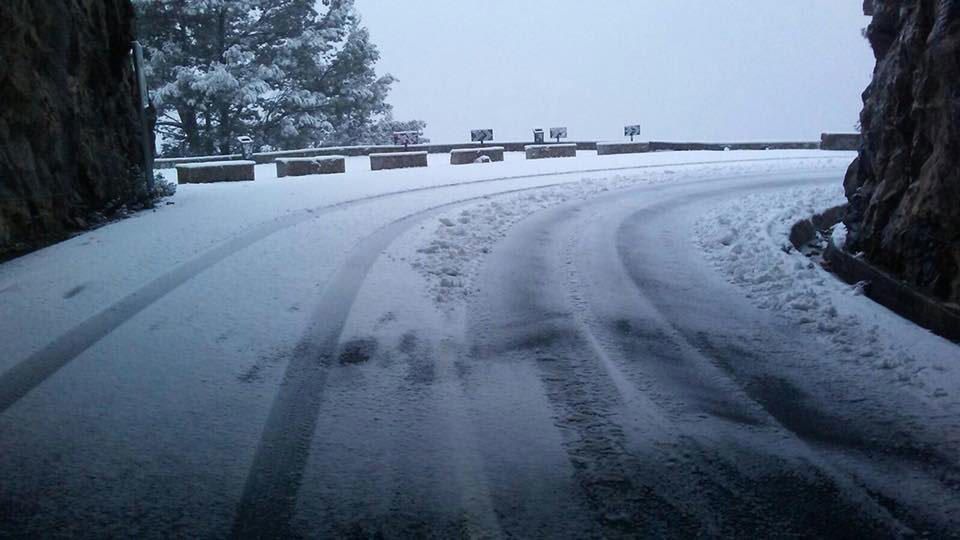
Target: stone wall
{"x":310,"y":166}
{"x":398,"y":160}
{"x":469,"y":156}
{"x":615,"y":148}
{"x":840,"y":141}
{"x":582,"y":146}
{"x":548,"y":151}
{"x":904,"y":188}
{"x":69,"y":128}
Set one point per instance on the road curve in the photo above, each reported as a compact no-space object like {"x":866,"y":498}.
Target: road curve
{"x":39,"y":366}
{"x":599,"y":382}
{"x":681,"y":409}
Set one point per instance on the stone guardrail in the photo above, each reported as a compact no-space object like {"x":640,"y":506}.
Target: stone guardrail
{"x":216,"y":171}
{"x":545,"y":151}
{"x":311,"y":165}
{"x":613,"y":148}
{"x":895,"y":295}
{"x":397,"y":160}
{"x":466,"y":156}
{"x":171,"y":163}
{"x":880,"y":286}
{"x":354,"y":151}
{"x":582,"y":146}
{"x":840,"y":141}
{"x":661,"y":146}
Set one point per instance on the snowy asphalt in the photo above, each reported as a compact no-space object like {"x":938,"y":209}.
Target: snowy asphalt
{"x":589,"y":376}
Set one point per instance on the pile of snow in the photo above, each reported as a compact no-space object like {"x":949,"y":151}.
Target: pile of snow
{"x":449,"y":255}
{"x":839,"y":235}
{"x":748,"y":240}
{"x":450,"y":259}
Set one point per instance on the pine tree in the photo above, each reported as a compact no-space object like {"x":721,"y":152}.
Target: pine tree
{"x":290,"y":73}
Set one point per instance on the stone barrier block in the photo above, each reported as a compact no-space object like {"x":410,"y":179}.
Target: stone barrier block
{"x":398,"y":160}
{"x":887,"y":290}
{"x":216,"y":171}
{"x":311,"y":165}
{"x":542,"y":151}
{"x":840,"y":141}
{"x":609,"y":149}
{"x":471,"y":155}
{"x":890,"y":292}
{"x":660,"y":146}
{"x":664,"y":146}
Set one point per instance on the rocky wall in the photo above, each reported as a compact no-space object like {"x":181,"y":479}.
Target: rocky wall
{"x":904,"y":189}
{"x":69,"y":125}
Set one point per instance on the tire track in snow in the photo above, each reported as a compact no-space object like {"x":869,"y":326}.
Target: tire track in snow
{"x":270,"y":494}
{"x":23,"y":377}
{"x":525,"y":322}
{"x":520,"y":319}
{"x":831,"y":439}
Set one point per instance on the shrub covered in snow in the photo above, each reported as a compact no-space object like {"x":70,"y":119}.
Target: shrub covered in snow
{"x":163,"y":187}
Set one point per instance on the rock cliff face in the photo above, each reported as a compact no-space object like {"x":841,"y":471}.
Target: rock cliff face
{"x":69,"y":126}
{"x":904,"y":189}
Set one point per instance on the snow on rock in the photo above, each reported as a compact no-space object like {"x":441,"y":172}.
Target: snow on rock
{"x":839,"y":235}
{"x":747,"y":240}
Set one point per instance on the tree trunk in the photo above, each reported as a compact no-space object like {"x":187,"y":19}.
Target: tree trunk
{"x":226,"y":128}
{"x":188,"y":119}
{"x":208,"y":141}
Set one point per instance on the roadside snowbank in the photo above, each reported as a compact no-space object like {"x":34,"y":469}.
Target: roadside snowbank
{"x":449,"y":254}
{"x":748,"y":240}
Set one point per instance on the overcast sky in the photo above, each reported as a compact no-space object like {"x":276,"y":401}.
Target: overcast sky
{"x":684,"y":69}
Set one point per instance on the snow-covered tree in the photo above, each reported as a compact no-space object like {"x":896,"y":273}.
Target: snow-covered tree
{"x":290,"y":73}
{"x":382,"y":131}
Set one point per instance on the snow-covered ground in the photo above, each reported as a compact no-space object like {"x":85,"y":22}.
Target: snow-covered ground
{"x":56,"y":288}
{"x":462,"y":237}
{"x":748,"y":239}
{"x":505,"y":349}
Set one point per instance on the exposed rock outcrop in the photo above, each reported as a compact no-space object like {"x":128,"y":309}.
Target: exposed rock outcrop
{"x":69,"y":126}
{"x":904,"y":189}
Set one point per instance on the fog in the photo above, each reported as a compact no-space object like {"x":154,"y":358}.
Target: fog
{"x":684,"y":69}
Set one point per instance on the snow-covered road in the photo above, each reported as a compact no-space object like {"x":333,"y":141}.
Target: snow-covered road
{"x":568,"y":348}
